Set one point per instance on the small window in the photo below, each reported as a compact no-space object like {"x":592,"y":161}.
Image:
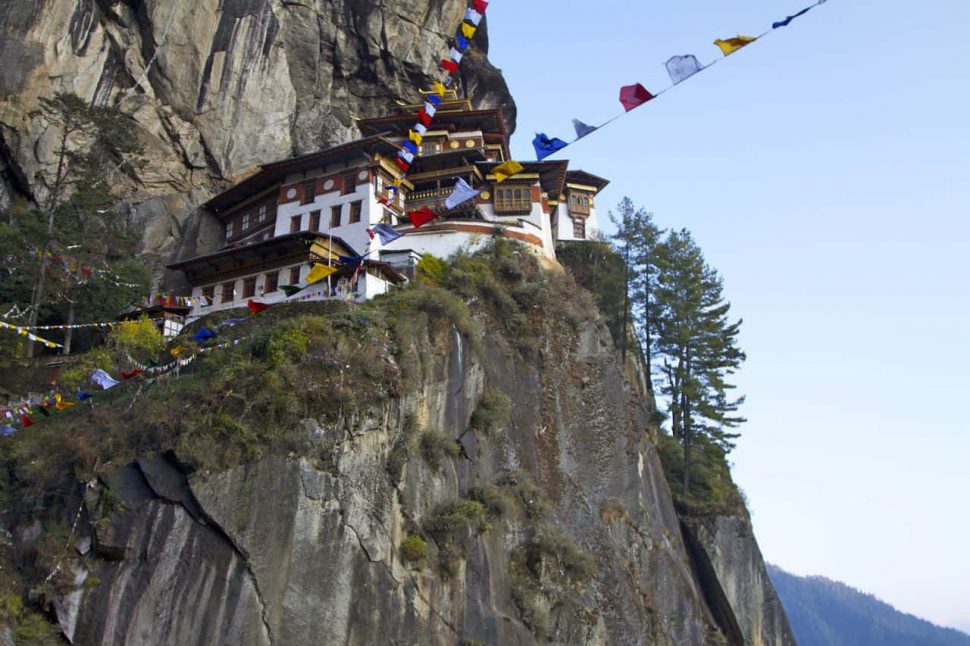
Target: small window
{"x":513,"y":201}
{"x":355,"y":208}
{"x":261,"y":216}
{"x":315,"y":221}
{"x":294,"y":275}
{"x":349,"y":183}
{"x":309,"y":191}
{"x":249,"y":287}
{"x":246,"y":221}
{"x":228,"y":292}
{"x":579,"y":228}
{"x":229,"y":230}
{"x":209,"y":294}
{"x":272,"y":282}
{"x":295,"y":223}
{"x":335,"y":216}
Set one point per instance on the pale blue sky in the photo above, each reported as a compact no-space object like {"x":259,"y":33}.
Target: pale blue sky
{"x":824,"y":170}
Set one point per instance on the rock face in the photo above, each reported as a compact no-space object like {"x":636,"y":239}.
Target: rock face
{"x":306,"y":550}
{"x":216,"y":87}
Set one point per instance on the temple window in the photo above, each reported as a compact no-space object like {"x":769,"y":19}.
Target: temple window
{"x":315,"y":221}
{"x":246,"y":220}
{"x":355,"y":208}
{"x":579,"y":228}
{"x":272,"y":282}
{"x":229,"y":230}
{"x":335,"y":216}
{"x":515,"y":200}
{"x":579,"y":203}
{"x":349,"y":184}
{"x":294,"y":275}
{"x":228,"y":292}
{"x":249,"y":287}
{"x":309,"y":192}
{"x":261,"y":217}
{"x":295,"y":223}
{"x":209,"y":294}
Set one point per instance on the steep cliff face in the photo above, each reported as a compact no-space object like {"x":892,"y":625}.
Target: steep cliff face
{"x":216,"y":87}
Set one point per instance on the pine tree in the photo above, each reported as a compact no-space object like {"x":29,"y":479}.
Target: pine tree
{"x":96,"y":147}
{"x":699,"y":347}
{"x":637,"y":239}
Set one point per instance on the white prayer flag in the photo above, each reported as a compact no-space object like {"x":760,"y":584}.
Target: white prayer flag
{"x":430,"y":109}
{"x":473,"y":16}
{"x":406,"y":155}
{"x":462,"y":193}
{"x":683,"y":67}
{"x":455,"y":55}
{"x":420,"y":128}
{"x":103,"y":379}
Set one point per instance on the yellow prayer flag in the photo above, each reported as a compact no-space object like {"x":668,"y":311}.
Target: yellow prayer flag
{"x":468,"y":30}
{"x":319,"y":272}
{"x":397,"y":183}
{"x":439,"y":87}
{"x":415,"y":137}
{"x":731,"y":45}
{"x":176,"y":351}
{"x":59,"y":404}
{"x":507,"y":170}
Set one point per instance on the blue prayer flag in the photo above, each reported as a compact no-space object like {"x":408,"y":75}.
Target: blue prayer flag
{"x":545,"y":146}
{"x":411,"y":147}
{"x":433,"y":99}
{"x":351,"y":260}
{"x":582,"y":129}
{"x":462,"y":43}
{"x":387,"y":233}
{"x":204,"y":335}
{"x":7,"y":431}
{"x":787,"y":21}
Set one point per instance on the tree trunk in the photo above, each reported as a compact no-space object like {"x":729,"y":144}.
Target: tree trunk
{"x":69,"y":335}
{"x":688,"y":431}
{"x":626,"y":300}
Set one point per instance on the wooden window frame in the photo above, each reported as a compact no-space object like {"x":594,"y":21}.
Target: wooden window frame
{"x":348,"y":185}
{"x":296,"y":222}
{"x":356,"y":210}
{"x":249,"y":287}
{"x":314,"y":220}
{"x":261,"y":213}
{"x":506,"y":202}
{"x":247,"y":220}
{"x":309,"y":192}
{"x":294,"y":275}
{"x":230,"y":289}
{"x":209,"y":293}
{"x":336,"y":214}
{"x":229,"y":229}
{"x":579,"y":228}
{"x":271,"y":282}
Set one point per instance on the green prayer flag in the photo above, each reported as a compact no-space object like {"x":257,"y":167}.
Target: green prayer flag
{"x":290,"y":290}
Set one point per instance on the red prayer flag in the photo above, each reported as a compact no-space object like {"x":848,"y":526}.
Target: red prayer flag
{"x":480,"y":6}
{"x":129,"y":375}
{"x":403,"y":165}
{"x":452,"y":67}
{"x":422,"y":216}
{"x":256,"y":308}
{"x":633,"y":96}
{"x":86,"y":271}
{"x":26,"y":421}
{"x":424,"y":117}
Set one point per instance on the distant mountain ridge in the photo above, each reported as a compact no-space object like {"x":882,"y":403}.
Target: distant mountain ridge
{"x":823,"y":612}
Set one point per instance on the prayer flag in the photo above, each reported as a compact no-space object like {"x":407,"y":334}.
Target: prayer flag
{"x":319,"y":272}
{"x":422,"y":216}
{"x":415,"y":137}
{"x":257,"y":308}
{"x":468,"y":30}
{"x":545,"y":146}
{"x":204,"y":335}
{"x":480,"y":5}
{"x":351,"y":260}
{"x":83,"y":396}
{"x":434,"y":100}
{"x":43,"y":411}
{"x":787,"y":21}
{"x":451,"y":66}
{"x":387,"y":233}
{"x":683,"y":67}
{"x":462,"y":43}
{"x":103,"y":379}
{"x":633,"y":96}
{"x":291,"y":290}
{"x":231,"y":322}
{"x":7,"y":431}
{"x":731,"y":45}
{"x":504,"y":171}
{"x":131,"y":375}
{"x":472,"y":16}
{"x":411,"y":147}
{"x":424,"y":117}
{"x":429,"y":109}
{"x":421,"y":128}
{"x":582,"y":129}
{"x":455,"y":55}
{"x":60,"y":404}
{"x":403,"y":165}
{"x":26,"y":421}
{"x":462,"y":193}
{"x":406,"y":155}
{"x":439,"y":87}
{"x":176,"y":351}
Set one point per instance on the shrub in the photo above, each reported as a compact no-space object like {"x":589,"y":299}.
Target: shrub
{"x":436,"y":448}
{"x":613,"y":512}
{"x":414,"y":549}
{"x":492,"y":411}
{"x":712,"y":491}
{"x":140,"y":339}
{"x":431,"y":270}
{"x":80,"y":373}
